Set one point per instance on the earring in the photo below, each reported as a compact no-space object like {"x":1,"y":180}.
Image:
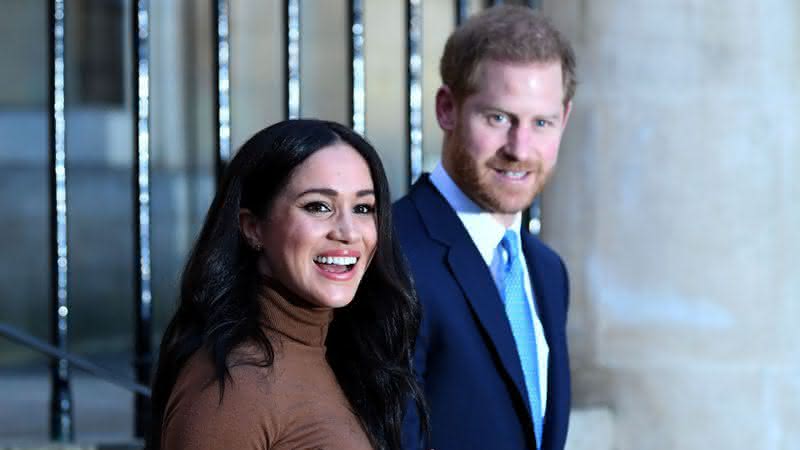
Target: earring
{"x":257,"y":246}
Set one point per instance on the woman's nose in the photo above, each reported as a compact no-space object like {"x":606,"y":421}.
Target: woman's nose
{"x":345,"y":229}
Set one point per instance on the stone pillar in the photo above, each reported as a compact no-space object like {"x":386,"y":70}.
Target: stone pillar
{"x":676,"y":208}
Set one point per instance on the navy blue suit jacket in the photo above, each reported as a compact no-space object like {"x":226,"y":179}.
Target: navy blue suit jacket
{"x":465,"y":357}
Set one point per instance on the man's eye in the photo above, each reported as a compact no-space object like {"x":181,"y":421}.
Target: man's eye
{"x":364,"y":209}
{"x":497,"y":119}
{"x":317,"y":207}
{"x":542,"y":123}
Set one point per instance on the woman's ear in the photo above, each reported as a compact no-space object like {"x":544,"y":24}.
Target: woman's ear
{"x":250,"y":225}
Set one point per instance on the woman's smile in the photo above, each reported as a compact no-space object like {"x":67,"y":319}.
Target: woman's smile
{"x":338,"y":264}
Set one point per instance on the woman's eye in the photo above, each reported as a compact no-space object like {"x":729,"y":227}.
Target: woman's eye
{"x":364,"y":209}
{"x":317,"y":207}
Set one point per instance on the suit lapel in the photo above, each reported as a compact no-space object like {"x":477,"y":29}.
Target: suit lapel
{"x":535,"y":271}
{"x":471,"y":273}
{"x":546,"y":317}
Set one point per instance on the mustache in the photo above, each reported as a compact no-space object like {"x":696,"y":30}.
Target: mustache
{"x":505,"y":164}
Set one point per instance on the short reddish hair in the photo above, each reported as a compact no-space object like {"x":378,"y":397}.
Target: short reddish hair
{"x":513,"y":34}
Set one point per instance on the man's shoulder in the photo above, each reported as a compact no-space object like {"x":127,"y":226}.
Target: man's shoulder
{"x":415,"y":193}
{"x":540,"y":250}
{"x":404,"y":214}
{"x":404,"y":203}
{"x":408,"y":210}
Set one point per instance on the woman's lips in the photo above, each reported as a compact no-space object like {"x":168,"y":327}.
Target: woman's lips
{"x":345,"y":273}
{"x":337,"y":265}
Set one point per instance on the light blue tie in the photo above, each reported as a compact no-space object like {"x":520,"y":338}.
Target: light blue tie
{"x":519,"y":315}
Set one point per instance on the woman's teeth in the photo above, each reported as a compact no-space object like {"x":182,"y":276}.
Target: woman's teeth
{"x":336,"y":260}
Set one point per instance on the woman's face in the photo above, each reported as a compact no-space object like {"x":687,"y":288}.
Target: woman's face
{"x":320,"y":234}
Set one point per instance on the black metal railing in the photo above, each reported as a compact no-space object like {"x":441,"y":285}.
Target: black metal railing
{"x":414,"y":88}
{"x":358,"y":94}
{"x":143,"y":296}
{"x":53,"y":352}
{"x":61,"y":412}
{"x":222,"y":80}
{"x":61,"y":426}
{"x":292,"y":57}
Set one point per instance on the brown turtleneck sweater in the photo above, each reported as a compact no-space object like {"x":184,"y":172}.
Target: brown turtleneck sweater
{"x":295,"y":403}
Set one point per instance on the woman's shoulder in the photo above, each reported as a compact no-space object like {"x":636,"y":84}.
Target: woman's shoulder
{"x":251,"y":369}
{"x":200,"y":411}
{"x":283,"y":405}
{"x":245,"y":364}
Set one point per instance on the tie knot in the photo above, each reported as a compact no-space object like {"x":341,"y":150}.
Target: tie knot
{"x":509,"y":243}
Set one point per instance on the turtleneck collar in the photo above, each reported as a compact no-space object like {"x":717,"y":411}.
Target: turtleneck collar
{"x":293,"y":318}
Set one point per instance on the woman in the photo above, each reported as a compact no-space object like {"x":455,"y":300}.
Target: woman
{"x":296,"y":319}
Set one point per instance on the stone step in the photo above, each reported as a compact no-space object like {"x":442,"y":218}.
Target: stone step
{"x":133,"y":445}
{"x":590,"y":429}
{"x":104,"y":414}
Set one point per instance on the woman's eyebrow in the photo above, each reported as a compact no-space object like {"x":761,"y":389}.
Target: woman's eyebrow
{"x":333,"y":193}
{"x":323,"y":191}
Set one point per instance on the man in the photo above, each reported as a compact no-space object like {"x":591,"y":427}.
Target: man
{"x":492,"y":350}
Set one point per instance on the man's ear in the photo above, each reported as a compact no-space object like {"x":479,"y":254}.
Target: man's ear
{"x":446,"y":109}
{"x":250,"y":225}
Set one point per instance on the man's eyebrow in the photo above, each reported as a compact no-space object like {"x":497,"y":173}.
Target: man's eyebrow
{"x":333,"y":193}
{"x":553,"y":117}
{"x":483,"y":107}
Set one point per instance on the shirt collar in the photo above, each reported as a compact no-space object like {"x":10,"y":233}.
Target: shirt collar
{"x":484,"y":230}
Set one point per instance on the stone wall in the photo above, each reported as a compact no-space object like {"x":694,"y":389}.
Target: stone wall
{"x":675,"y":206}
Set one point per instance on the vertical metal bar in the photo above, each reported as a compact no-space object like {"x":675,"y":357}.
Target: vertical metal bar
{"x":292,"y":15}
{"x":61,"y":423}
{"x":462,"y":11}
{"x":141,"y":178}
{"x":414,"y":88}
{"x":535,"y":4}
{"x":222,"y":81}
{"x":357,"y":75}
{"x":533,"y":215}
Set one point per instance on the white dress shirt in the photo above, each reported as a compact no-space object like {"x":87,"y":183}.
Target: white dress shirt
{"x":486,"y":232}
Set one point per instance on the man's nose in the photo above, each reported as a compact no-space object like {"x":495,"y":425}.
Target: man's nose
{"x":518,"y":147}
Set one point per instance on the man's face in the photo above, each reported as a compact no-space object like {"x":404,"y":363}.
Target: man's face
{"x":501,"y":142}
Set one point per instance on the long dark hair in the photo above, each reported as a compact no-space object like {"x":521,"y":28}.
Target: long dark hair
{"x":370,"y":342}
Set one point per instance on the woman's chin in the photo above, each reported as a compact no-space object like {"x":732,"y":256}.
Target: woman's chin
{"x":333,"y":298}
{"x":338,"y":301}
